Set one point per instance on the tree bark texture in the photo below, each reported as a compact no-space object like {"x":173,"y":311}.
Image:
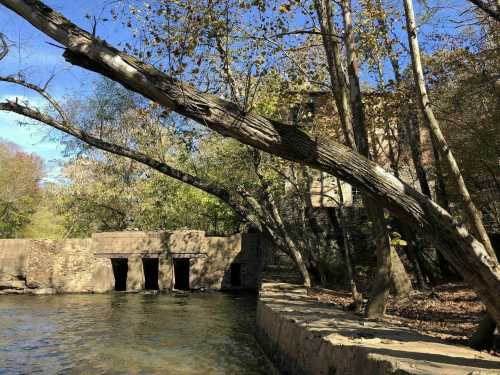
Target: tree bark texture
{"x":393,"y":265}
{"x":425,"y":105}
{"x":460,"y":248}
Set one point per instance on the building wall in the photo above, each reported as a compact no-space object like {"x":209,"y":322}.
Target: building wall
{"x":84,"y":265}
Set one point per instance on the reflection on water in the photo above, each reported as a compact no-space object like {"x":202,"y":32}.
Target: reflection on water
{"x":202,"y":333}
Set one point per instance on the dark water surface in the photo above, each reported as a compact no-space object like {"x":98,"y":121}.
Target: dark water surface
{"x":200,"y":333}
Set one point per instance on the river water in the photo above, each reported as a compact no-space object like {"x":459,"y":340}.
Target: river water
{"x":198,"y":333}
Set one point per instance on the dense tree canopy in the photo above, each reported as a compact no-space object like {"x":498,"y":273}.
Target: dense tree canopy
{"x":20,"y":191}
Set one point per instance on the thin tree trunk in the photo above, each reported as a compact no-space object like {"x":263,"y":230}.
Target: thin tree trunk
{"x":297,"y":256}
{"x":279,"y":224}
{"x":462,"y":250}
{"x":352,"y":119}
{"x":402,"y":285}
{"x":277,"y":229}
{"x":447,"y":271}
{"x":425,"y":105}
{"x":413,"y":130}
{"x":332,"y":46}
{"x":356,"y":296}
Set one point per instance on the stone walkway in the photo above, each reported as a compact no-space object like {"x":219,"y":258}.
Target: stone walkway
{"x":304,"y":336}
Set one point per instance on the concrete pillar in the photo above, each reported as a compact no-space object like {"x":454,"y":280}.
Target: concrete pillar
{"x":165,"y":273}
{"x":135,"y":275}
{"x":102,"y":276}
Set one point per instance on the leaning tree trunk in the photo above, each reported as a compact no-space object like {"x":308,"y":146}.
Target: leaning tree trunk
{"x":466,"y":254}
{"x":445,"y":151}
{"x":425,"y":105}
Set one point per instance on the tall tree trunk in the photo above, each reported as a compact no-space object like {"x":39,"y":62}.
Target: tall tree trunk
{"x":465,"y":253}
{"x":447,"y":271}
{"x":425,"y":105}
{"x":390,"y":261}
{"x":470,"y":208}
{"x":413,"y":130}
{"x":352,"y":119}
{"x":339,"y":84}
{"x":356,"y":296}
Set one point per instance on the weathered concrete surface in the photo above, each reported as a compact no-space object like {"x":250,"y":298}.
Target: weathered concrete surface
{"x":135,"y":276}
{"x":67,"y":266}
{"x":165,"y":270}
{"x":13,"y":258}
{"x":84,"y":265}
{"x":304,"y":336}
{"x":210,"y":257}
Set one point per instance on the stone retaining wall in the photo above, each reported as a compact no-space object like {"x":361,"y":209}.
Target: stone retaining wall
{"x":303,"y":336}
{"x":84,"y":265}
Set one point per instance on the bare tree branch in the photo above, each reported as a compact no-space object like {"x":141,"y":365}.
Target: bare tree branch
{"x":490,"y":10}
{"x":41,"y":91}
{"x":212,"y":189}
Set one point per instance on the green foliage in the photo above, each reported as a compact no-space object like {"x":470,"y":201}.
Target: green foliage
{"x":45,"y":223}
{"x":20,"y":175}
{"x":105,"y":192}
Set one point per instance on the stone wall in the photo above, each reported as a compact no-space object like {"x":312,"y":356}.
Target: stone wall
{"x":51,"y":266}
{"x":13,"y":257}
{"x":84,"y":265}
{"x":303,"y":336}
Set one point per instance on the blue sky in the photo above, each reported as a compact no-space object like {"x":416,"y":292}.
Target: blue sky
{"x":31,"y":55}
{"x":37,"y":60}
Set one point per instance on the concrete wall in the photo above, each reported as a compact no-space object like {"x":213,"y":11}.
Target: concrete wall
{"x":84,"y":265}
{"x":210,"y":257}
{"x":13,"y":257}
{"x":303,"y":336}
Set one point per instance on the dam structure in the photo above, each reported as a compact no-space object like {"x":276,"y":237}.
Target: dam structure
{"x":132,"y":261}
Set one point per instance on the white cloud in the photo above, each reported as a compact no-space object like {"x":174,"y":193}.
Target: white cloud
{"x":31,"y":138}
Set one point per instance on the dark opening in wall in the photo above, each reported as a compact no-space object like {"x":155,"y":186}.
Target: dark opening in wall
{"x":181,"y":273}
{"x":150,"y":266}
{"x":235,"y":274}
{"x":120,"y":270}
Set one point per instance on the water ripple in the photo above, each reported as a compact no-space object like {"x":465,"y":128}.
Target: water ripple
{"x":208,"y":333}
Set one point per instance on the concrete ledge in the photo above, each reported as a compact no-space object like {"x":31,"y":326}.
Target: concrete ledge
{"x":304,"y":336}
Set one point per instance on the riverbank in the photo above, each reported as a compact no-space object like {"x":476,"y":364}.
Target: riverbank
{"x":305,"y":336}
